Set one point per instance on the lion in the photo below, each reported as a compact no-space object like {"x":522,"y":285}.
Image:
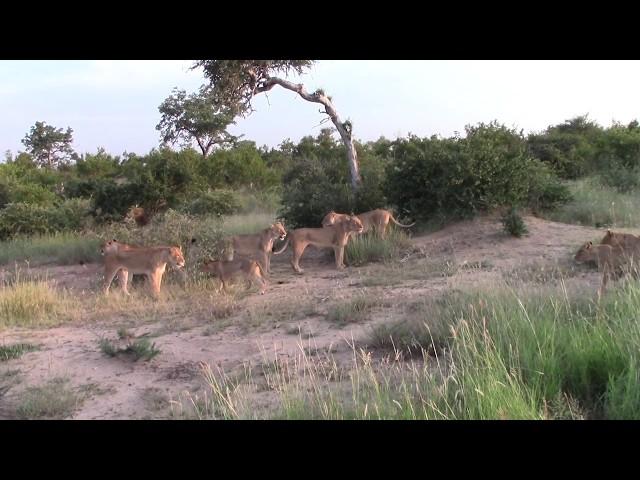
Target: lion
{"x":336,"y":236}
{"x":150,"y":261}
{"x":613,"y":261}
{"x":259,"y":245}
{"x":377,"y":220}
{"x":627,"y":241}
{"x":250,"y":269}
{"x":113,"y":246}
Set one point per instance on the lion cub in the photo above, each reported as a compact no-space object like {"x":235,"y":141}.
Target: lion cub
{"x":251,"y":270}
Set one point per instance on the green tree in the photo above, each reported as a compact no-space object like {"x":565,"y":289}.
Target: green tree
{"x":236,"y":82}
{"x":49,"y":146}
{"x":195,"y":117}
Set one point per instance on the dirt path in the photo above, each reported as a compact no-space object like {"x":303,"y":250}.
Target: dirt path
{"x":264,"y":327}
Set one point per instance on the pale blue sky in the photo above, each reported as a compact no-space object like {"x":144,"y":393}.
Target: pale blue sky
{"x":114,"y":104}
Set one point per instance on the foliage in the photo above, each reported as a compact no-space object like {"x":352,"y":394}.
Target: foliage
{"x":513,"y":223}
{"x":49,"y":146}
{"x":195,"y":117}
{"x":459,"y":177}
{"x":234,"y":82}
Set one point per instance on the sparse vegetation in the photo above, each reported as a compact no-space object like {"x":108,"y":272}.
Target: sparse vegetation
{"x":354,"y":310}
{"x":53,"y":400}
{"x":139,"y":348}
{"x":16,"y":350}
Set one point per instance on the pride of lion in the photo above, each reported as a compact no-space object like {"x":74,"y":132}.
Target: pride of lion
{"x":616,"y":255}
{"x":250,"y":258}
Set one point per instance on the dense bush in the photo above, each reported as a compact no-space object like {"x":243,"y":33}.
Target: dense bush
{"x":176,"y":228}
{"x":31,"y":219}
{"x":319,"y":181}
{"x":459,"y":177}
{"x":623,"y":178}
{"x":213,"y":202}
{"x":569,"y":148}
{"x":111,"y":201}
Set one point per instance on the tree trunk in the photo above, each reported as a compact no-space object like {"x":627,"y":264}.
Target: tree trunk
{"x":205,"y":148}
{"x":344,"y":129}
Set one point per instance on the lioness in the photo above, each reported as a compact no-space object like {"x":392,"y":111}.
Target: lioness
{"x":113,"y":246}
{"x":377,"y":220}
{"x":250,"y":269}
{"x":612,"y":261}
{"x":336,"y":236}
{"x":627,"y":241}
{"x":150,"y":261}
{"x":259,"y":245}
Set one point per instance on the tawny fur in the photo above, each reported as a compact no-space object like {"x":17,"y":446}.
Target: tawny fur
{"x":259,"y":245}
{"x":375,"y":220}
{"x":225,"y":270}
{"x":335,"y":236}
{"x":149,"y":261}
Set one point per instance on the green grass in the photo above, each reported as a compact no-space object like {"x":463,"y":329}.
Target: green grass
{"x":53,"y":400}
{"x":60,"y":248}
{"x":424,"y":327}
{"x":141,"y":348}
{"x":598,"y":206}
{"x":16,"y":350}
{"x":498,"y":355}
{"x":369,"y":247}
{"x":354,"y":310}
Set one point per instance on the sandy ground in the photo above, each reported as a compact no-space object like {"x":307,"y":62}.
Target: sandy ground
{"x":257,"y":331}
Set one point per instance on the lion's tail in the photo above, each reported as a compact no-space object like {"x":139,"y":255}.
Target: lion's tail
{"x":286,"y":243}
{"x":400,"y":224}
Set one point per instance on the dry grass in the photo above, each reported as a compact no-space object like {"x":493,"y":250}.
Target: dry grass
{"x":53,"y":400}
{"x":34,"y":303}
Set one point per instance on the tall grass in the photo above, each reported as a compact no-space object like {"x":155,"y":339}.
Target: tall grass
{"x":370,"y":247}
{"x":65,"y":248}
{"x":503,"y":356}
{"x":32,"y":303}
{"x":597,"y":205}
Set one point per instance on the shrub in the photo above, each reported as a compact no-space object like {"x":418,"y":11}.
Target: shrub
{"x":513,"y":223}
{"x":213,"y":202}
{"x":459,"y":177}
{"x":29,"y":219}
{"x":623,"y":179}
{"x":176,"y":228}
